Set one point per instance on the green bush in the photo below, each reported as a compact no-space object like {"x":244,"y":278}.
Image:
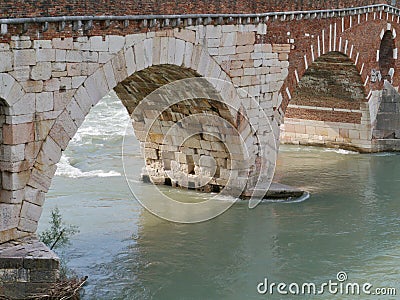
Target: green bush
{"x":59,"y":233}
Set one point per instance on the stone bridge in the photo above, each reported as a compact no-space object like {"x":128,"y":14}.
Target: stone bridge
{"x":319,"y":72}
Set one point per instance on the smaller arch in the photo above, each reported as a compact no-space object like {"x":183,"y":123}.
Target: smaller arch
{"x":10,"y":90}
{"x":387,"y":56}
{"x":328,"y":105}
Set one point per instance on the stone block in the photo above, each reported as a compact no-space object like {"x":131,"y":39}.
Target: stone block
{"x":74,"y":56}
{"x":43,"y":276}
{"x":61,"y":99}
{"x":61,"y":55}
{"x":83,"y":99}
{"x":20,"y":73}
{"x":26,"y":105}
{"x":171,"y":50}
{"x":12,"y":197}
{"x":27,"y":225}
{"x":65,"y":43}
{"x":228,"y":39}
{"x":51,"y":85}
{"x":82,"y":45}
{"x":130,"y":65}
{"x":185,"y":35}
{"x":42,"y":129}
{"x":285,"y":48}
{"x":66,"y":83}
{"x":89,"y":56}
{"x":97,"y":44}
{"x":179,"y":52}
{"x":109,"y":71}
{"x":9,"y":216}
{"x":163,"y":51}
{"x":26,"y":57}
{"x":77,"y":81}
{"x":60,"y":136}
{"x":245,"y":49}
{"x":18,"y":134}
{"x":45,"y":55}
{"x":31,"y":211}
{"x":15,"y":181}
{"x":354,"y":134}
{"x":41,"y":71}
{"x":75,"y":113}
{"x":115,"y":43}
{"x":44,"y":101}
{"x":227,"y":50}
{"x":20,"y":44}
{"x":75,"y":69}
{"x":148,"y":52}
{"x":50,"y":154}
{"x":4,"y":47}
{"x":56,"y":74}
{"x":42,"y":44}
{"x":133,"y":39}
{"x":96,"y":86}
{"x":245,"y":38}
{"x":213,"y":32}
{"x":66,"y":122}
{"x":119,"y":65}
{"x":41,"y":179}
{"x":188,"y":54}
{"x":12,"y":153}
{"x":6,"y":61}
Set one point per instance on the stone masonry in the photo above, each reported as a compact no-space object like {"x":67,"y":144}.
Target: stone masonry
{"x":27,"y":268}
{"x":246,"y":69}
{"x":49,"y":86}
{"x":52,"y":71}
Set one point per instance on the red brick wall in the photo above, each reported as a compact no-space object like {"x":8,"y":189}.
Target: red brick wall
{"x":25,"y":8}
{"x":364,"y":36}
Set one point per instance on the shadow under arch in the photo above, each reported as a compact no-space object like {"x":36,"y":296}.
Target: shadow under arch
{"x":328,"y":106}
{"x":192,"y":158}
{"x":386,"y":56}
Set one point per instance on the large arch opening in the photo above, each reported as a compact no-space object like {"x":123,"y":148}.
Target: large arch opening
{"x":386,"y":56}
{"x":328,"y":106}
{"x":196,"y":156}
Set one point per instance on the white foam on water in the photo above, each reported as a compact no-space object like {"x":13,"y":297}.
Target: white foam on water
{"x":65,"y":169}
{"x":342,"y":151}
{"x":107,"y":120}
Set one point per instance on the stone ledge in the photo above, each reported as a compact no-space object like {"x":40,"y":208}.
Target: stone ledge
{"x":27,"y":267}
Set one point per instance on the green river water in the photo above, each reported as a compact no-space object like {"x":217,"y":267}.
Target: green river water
{"x":351,"y":223}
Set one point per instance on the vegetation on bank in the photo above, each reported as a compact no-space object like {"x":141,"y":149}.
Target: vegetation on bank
{"x":55,"y":237}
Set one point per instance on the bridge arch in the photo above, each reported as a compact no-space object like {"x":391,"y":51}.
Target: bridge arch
{"x":135,"y":72}
{"x":328,"y":106}
{"x":387,"y":55}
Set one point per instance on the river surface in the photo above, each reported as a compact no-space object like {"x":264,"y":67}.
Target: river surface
{"x":350,"y":224}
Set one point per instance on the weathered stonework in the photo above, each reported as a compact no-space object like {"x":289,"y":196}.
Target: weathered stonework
{"x":52,"y":73}
{"x":329,"y":107}
{"x":52,"y":85}
{"x":27,"y":268}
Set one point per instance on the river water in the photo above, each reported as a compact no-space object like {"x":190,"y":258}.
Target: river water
{"x":350,"y":224}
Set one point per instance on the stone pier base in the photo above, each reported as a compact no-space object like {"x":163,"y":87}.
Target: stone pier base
{"x":27,"y":268}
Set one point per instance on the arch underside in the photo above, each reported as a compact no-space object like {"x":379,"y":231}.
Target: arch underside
{"x":184,"y":141}
{"x":328,"y":105}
